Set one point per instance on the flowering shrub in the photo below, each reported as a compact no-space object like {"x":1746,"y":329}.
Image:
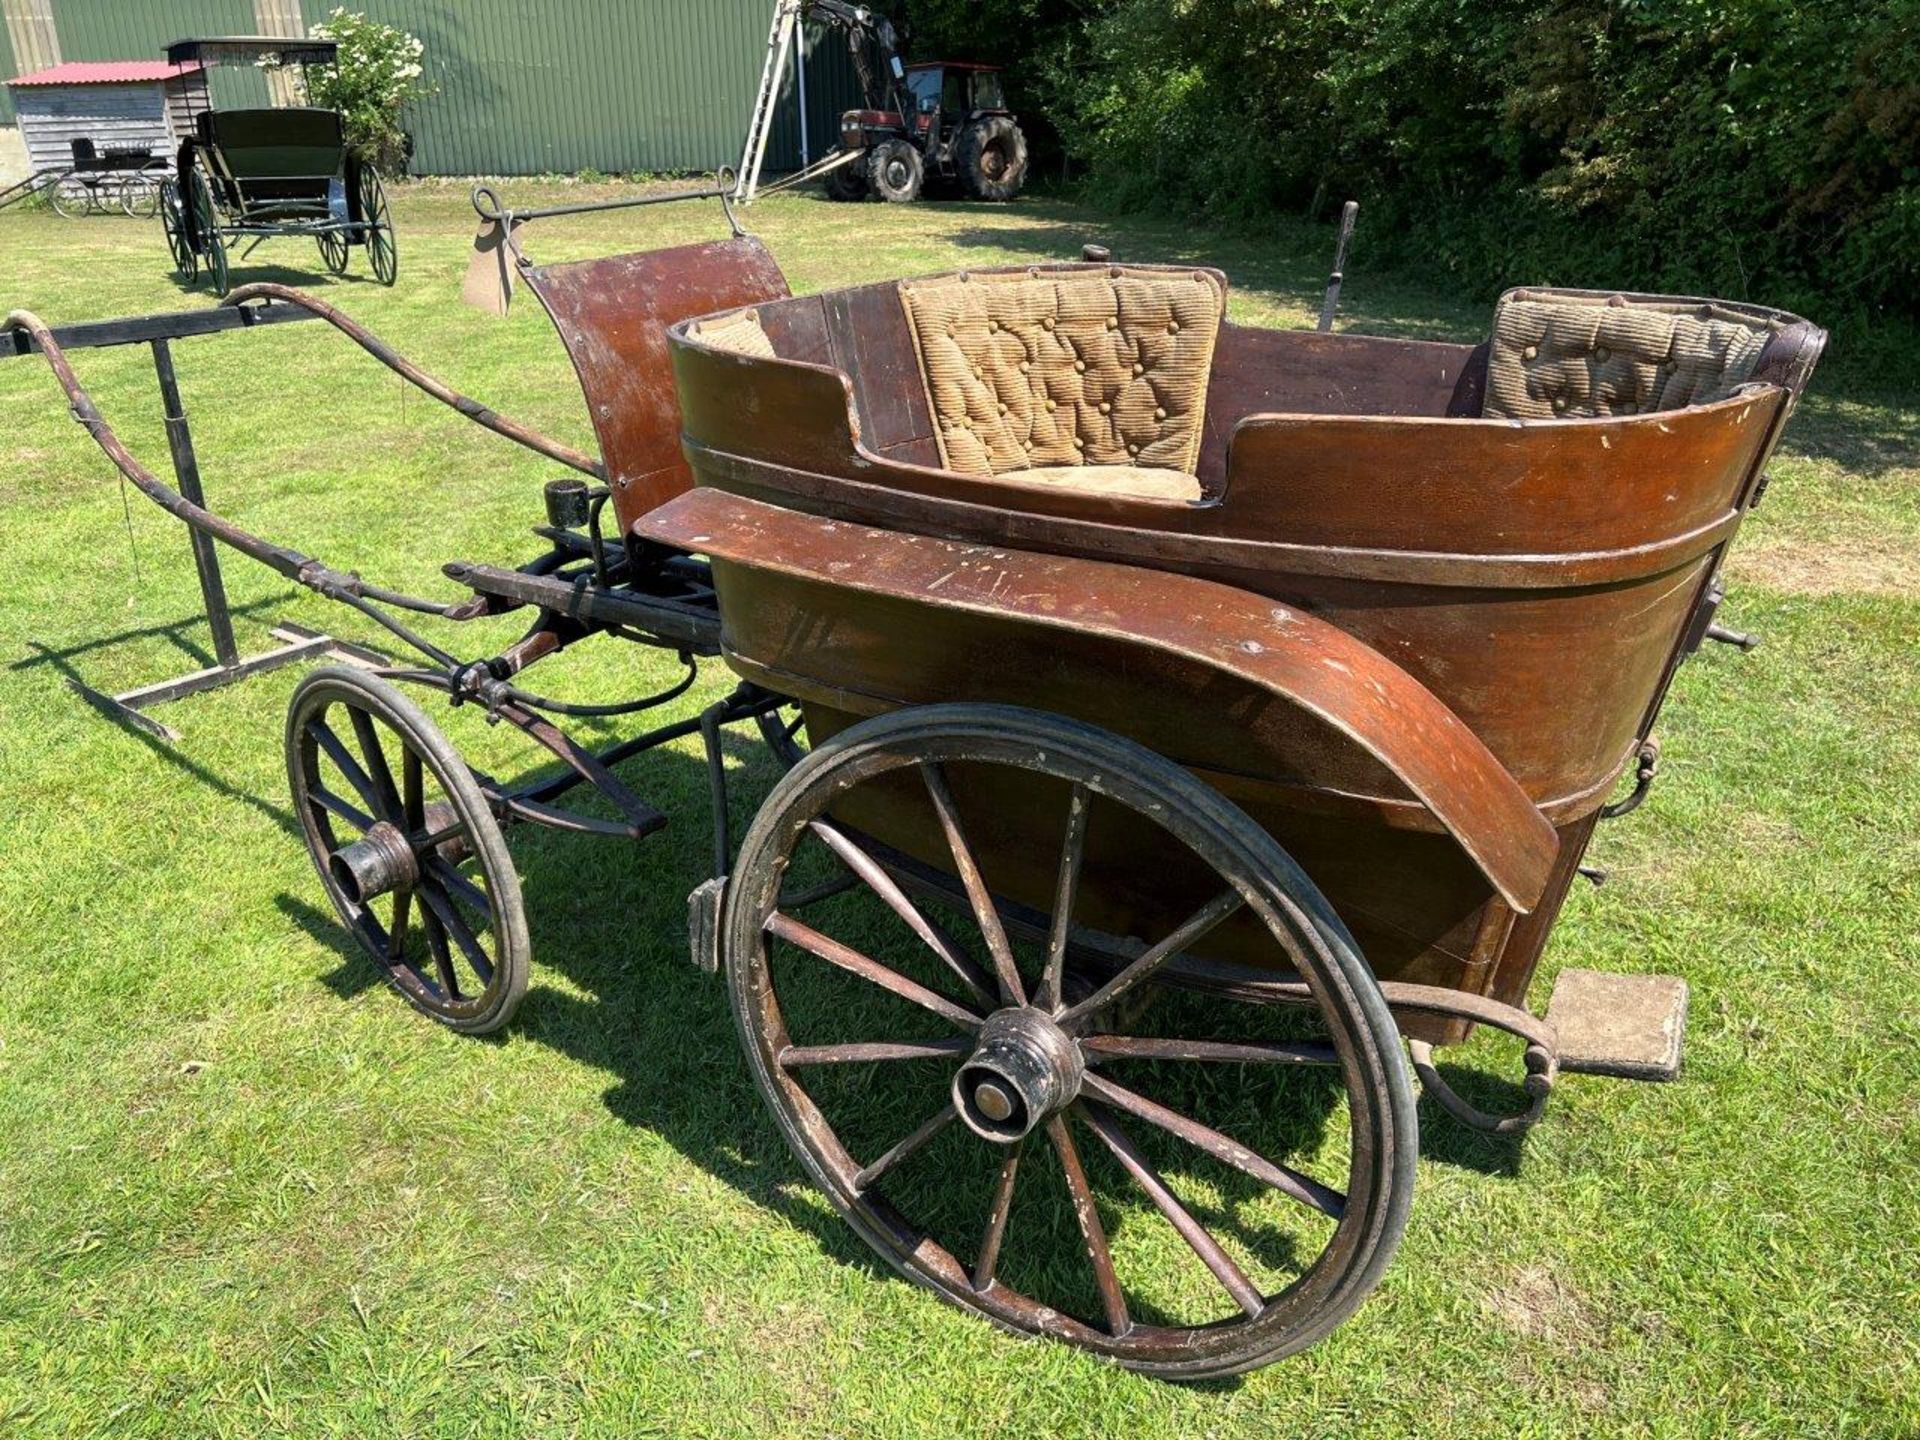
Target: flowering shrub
{"x":375,"y":76}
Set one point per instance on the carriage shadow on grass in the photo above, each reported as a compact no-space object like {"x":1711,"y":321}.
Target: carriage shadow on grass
{"x":612,"y":920}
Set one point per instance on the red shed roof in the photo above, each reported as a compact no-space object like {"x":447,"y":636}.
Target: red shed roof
{"x":107,"y":72}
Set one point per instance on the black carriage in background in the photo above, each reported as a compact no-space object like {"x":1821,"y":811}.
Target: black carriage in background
{"x":257,"y":174}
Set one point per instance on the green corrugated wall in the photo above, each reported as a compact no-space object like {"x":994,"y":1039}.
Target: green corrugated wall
{"x":8,"y":67}
{"x":527,"y":87}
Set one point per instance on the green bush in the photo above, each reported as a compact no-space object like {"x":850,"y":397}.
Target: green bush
{"x":376,"y":74}
{"x":1762,"y":149}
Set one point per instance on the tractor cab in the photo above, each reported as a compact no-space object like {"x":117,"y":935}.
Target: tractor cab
{"x":954,"y":93}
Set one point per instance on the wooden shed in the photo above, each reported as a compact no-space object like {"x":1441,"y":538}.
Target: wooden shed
{"x":117,"y":104}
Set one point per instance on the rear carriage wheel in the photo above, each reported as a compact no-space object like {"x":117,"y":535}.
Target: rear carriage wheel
{"x":382,"y":253}
{"x":173,"y":221}
{"x":978,"y":1109}
{"x":206,"y":225}
{"x":407,"y":848}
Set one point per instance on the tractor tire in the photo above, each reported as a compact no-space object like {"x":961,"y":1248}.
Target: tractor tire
{"x":895,"y":172}
{"x":991,"y":158}
{"x":849,"y":182}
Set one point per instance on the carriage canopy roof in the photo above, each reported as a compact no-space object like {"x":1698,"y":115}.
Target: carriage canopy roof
{"x":245,"y":49}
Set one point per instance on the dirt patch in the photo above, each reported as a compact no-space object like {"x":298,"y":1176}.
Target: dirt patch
{"x":1859,"y":565}
{"x":1537,"y":1303}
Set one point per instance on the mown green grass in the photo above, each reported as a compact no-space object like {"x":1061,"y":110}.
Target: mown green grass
{"x":245,"y":1191}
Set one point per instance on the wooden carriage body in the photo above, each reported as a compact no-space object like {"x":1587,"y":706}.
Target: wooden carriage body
{"x":1420,"y":643}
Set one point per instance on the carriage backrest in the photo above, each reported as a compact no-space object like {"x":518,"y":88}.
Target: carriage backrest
{"x":1581,"y":354}
{"x":276,"y":144}
{"x":1092,"y":365}
{"x":1089,"y":377}
{"x":612,"y":315}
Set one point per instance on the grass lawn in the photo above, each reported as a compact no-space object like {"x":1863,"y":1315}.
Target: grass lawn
{"x":245,"y":1191}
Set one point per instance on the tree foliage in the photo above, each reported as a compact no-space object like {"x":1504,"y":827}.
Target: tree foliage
{"x":1753,"y":148}
{"x":376,"y":74}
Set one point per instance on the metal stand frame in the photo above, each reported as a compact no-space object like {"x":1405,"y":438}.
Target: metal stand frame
{"x":298,"y":642}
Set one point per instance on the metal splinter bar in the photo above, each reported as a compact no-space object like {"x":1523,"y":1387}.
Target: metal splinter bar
{"x":487,"y":206}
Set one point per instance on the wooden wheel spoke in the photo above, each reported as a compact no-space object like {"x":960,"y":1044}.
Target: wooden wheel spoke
{"x":1095,"y":1235}
{"x":412,"y":794}
{"x":1142,"y":1047}
{"x":989,"y":1260}
{"x":927,"y":1129}
{"x":859,"y":1051}
{"x":397,"y":932}
{"x":338,"y":808}
{"x":442,"y":910}
{"x":1288,"y":1181}
{"x":386,"y":798}
{"x":1139,"y":971}
{"x":458,"y":885}
{"x":1072,"y":849}
{"x":1231,"y":1277}
{"x":442,"y":956}
{"x":1012,"y":992}
{"x":795,"y":932}
{"x":336,"y":751}
{"x":978,"y":983}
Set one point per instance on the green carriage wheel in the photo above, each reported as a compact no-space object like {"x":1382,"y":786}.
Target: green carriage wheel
{"x":333,"y":251}
{"x":173,"y":220}
{"x":213,"y":245}
{"x":383,"y":254}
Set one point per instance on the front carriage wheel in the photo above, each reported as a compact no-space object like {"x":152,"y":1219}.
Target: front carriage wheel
{"x":206,"y":225}
{"x":407,"y":848}
{"x":333,"y":251}
{"x":992,"y":1116}
{"x":173,"y":221}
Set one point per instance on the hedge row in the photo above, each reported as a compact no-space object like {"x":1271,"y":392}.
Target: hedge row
{"x":1761,"y":149}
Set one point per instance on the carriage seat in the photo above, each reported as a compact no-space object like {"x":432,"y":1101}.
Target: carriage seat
{"x":1560,"y":354}
{"x":1089,"y":377}
{"x":275,"y":153}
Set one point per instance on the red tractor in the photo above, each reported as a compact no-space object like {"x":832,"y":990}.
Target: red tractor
{"x":943,"y":121}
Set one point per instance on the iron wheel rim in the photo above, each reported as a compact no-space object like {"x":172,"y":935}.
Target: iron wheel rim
{"x":461,"y":953}
{"x":186,"y":264}
{"x":383,"y":253}
{"x":333,"y":251}
{"x":1365,"y":1048}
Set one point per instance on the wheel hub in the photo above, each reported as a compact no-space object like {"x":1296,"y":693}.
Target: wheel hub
{"x":380,"y":861}
{"x":1023,"y":1070}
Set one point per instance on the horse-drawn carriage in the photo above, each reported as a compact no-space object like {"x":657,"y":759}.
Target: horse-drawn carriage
{"x":1191,"y":713}
{"x":260,"y":173}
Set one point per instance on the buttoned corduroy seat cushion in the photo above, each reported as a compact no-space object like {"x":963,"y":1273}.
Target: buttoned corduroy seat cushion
{"x":1562,"y":357}
{"x":1091,"y":378}
{"x":738,"y":331}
